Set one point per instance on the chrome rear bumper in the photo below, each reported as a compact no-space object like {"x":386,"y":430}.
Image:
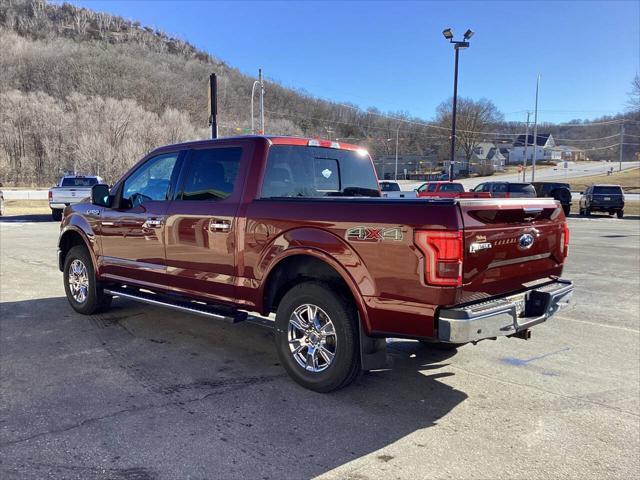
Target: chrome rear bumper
{"x":503,"y":316}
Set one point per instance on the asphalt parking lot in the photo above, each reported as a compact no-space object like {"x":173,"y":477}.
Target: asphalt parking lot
{"x":146,"y":393}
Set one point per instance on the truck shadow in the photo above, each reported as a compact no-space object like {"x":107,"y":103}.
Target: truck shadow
{"x":26,"y":218}
{"x":217,"y":387}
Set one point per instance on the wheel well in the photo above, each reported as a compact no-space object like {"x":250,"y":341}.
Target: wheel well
{"x":296,"y":269}
{"x":69,"y":240}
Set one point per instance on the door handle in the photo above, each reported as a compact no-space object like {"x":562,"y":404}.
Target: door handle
{"x":216,"y":225}
{"x":152,"y":223}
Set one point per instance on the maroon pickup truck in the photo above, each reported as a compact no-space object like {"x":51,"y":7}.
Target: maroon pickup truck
{"x":297,"y":227}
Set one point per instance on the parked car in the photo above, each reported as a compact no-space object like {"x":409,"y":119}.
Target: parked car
{"x":70,"y":189}
{"x":297,"y":227}
{"x":602,"y":198}
{"x":507,"y":189}
{"x":443,"y":189}
{"x":392,"y":190}
{"x":559,"y":191}
{"x":1,"y":203}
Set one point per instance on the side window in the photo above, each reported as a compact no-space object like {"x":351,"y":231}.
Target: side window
{"x":432,"y":187}
{"x":151,"y":181}
{"x":500,"y":187}
{"x":211,"y":174}
{"x":423,"y":187}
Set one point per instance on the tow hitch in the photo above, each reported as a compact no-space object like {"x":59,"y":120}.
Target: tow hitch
{"x":523,"y":334}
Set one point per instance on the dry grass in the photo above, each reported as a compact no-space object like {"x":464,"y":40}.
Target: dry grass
{"x":26,"y":207}
{"x":629,"y":180}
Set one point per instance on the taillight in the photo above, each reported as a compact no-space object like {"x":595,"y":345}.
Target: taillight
{"x":442,"y":256}
{"x":50,"y":195}
{"x":565,"y":239}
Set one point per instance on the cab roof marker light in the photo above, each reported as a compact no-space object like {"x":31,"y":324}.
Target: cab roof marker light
{"x":335,"y":145}
{"x":314,"y":143}
{"x":362,"y":152}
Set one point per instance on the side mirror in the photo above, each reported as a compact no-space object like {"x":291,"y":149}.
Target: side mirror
{"x":100,"y":195}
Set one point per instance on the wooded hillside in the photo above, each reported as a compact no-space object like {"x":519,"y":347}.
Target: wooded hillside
{"x":94,"y":92}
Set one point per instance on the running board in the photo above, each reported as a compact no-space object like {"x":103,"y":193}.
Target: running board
{"x":220,"y":313}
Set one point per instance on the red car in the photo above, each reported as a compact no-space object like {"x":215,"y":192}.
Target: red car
{"x":445,"y":189}
{"x":298,"y":228}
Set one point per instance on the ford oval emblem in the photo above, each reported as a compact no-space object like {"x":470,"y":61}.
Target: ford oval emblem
{"x":525,"y":241}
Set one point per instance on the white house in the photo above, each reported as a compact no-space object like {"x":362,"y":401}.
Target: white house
{"x":544,"y":149}
{"x":487,"y":155}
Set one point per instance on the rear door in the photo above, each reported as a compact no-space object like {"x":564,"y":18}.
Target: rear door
{"x":509,"y":243}
{"x":201,"y":226}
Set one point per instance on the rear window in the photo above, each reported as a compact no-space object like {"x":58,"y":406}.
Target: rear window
{"x":451,"y":187}
{"x":389,"y":187}
{"x":79,"y":182}
{"x":607,"y":190}
{"x":522,"y":188}
{"x":301,"y":171}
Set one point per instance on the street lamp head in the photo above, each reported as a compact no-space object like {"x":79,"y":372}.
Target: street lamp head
{"x":448,"y":33}
{"x":468,"y":34}
{"x":460,"y":45}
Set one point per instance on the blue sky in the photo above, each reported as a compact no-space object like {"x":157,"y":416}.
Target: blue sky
{"x":392,"y":55}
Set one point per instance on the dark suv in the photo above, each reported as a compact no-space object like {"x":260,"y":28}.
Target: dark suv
{"x":507,"y":189}
{"x":602,"y":198}
{"x":557,"y":190}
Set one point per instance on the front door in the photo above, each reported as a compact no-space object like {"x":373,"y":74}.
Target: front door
{"x":201,"y":224}
{"x":131,"y":233}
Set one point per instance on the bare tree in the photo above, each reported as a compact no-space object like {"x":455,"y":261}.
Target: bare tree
{"x":634,"y":95}
{"x":473,"y":119}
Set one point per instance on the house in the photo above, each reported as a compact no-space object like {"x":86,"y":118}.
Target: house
{"x":487,"y":157}
{"x":544,"y":149}
{"x":571,"y":154}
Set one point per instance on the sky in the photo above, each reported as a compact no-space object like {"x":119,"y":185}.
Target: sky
{"x":392,"y":55}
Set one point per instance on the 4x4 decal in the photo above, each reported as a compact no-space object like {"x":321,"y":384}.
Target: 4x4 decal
{"x":373,"y":234}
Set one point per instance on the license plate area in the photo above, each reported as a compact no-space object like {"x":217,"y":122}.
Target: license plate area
{"x":607,"y":198}
{"x":520,"y":301}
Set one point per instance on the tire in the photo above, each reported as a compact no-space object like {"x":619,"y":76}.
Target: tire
{"x":56,"y":214}
{"x":336,"y":316}
{"x":441,"y":345}
{"x":90,"y":299}
{"x":587,"y":212}
{"x":582,"y":213}
{"x":620,"y":213}
{"x":566,"y":209}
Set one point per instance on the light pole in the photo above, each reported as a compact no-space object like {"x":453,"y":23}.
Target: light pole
{"x":397,"y":134}
{"x":457,"y":45}
{"x":253,"y":91}
{"x":260,"y":83}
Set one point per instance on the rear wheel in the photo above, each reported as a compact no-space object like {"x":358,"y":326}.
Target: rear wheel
{"x":620,"y":213}
{"x":317,"y":337}
{"x":56,"y":214}
{"x":84,"y":293}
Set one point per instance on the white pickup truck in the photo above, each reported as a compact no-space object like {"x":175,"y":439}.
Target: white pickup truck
{"x":392,"y":190}
{"x":70,"y":189}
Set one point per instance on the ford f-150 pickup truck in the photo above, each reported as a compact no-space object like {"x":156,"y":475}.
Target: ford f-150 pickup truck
{"x":298,"y":228}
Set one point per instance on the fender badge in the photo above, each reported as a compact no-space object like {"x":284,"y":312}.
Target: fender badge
{"x":477,"y":246}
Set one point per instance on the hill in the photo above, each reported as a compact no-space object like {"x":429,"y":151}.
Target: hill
{"x":94,"y":92}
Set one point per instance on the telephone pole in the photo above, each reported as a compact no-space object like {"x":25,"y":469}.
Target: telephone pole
{"x":621,"y":146}
{"x":526,"y":143}
{"x":535,"y":134}
{"x":261,"y":102}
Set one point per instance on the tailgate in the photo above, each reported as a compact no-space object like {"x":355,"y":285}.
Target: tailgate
{"x":69,"y":195}
{"x":510,"y":243}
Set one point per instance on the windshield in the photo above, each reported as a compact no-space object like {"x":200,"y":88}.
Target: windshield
{"x":451,"y":187}
{"x":301,"y":171}
{"x":79,"y":181}
{"x":522,"y":188}
{"x":389,"y":187}
{"x":607,"y":190}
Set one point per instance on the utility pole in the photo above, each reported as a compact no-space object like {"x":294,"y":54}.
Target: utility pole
{"x":621,"y":146}
{"x":261,"y":101}
{"x":397,"y":134}
{"x":535,"y":134}
{"x":526,"y":143}
{"x":213,"y":105}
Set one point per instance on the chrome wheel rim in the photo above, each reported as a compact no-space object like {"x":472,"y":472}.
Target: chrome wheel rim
{"x":78,"y":281}
{"x":312,"y":338}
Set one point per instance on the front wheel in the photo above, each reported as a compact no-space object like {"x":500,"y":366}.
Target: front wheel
{"x":84,"y":292}
{"x":317,"y":337}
